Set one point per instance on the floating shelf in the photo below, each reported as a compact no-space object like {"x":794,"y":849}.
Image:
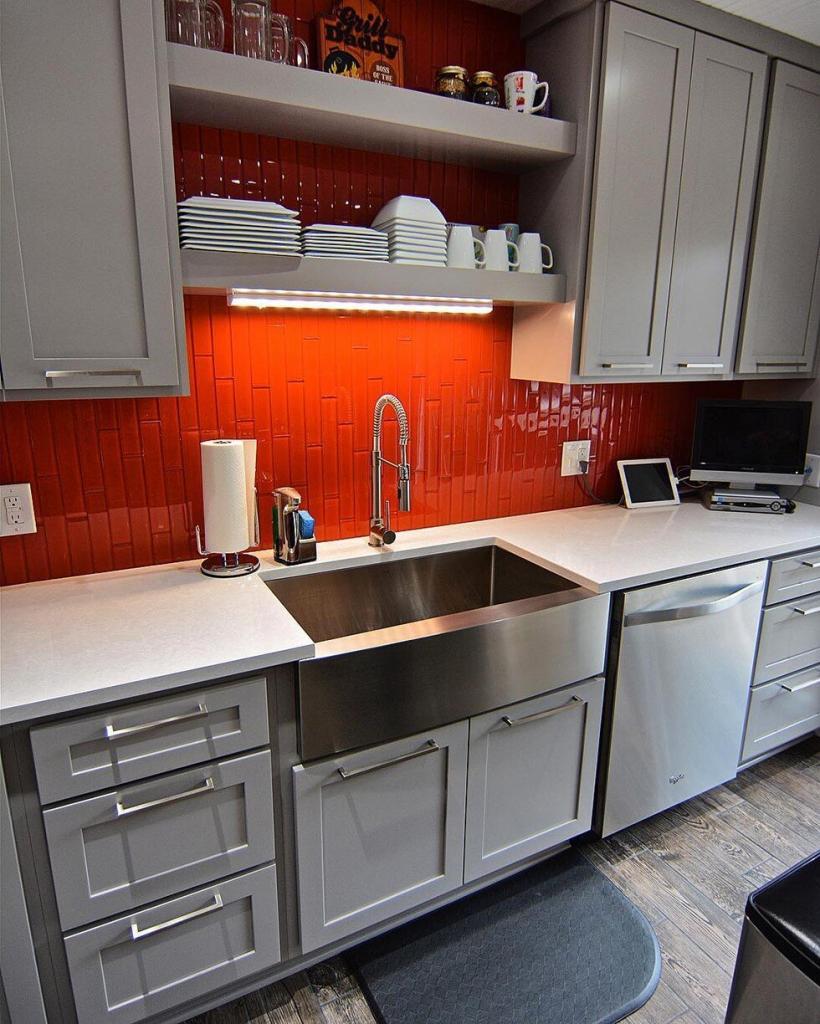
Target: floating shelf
{"x":222,"y":90}
{"x":215,"y":273}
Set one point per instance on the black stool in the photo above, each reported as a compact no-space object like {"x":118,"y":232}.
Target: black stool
{"x":777,"y":973}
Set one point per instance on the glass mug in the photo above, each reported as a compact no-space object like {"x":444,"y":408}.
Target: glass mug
{"x":195,"y":23}
{"x":264,"y":35}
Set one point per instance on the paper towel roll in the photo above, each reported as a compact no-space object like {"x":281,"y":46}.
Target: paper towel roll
{"x":228,"y":470}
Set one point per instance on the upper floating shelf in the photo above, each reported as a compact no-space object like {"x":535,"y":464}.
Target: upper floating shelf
{"x":222,"y":90}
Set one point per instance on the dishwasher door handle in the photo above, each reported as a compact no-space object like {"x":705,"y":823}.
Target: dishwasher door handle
{"x":695,"y":611}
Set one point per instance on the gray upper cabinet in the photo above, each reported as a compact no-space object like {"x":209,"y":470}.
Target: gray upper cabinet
{"x":91,"y":300}
{"x":379,"y":832}
{"x":723,"y":128}
{"x":642,"y":122}
{"x":782,"y":311}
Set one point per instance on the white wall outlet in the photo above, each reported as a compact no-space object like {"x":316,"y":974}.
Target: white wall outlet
{"x":572,"y":453}
{"x":16,"y":510}
{"x":813,"y":463}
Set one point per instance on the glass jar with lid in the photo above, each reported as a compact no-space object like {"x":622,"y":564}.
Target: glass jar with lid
{"x":453,"y":81}
{"x":485,"y":89}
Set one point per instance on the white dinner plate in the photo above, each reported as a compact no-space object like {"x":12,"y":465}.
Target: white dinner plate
{"x":246,"y":223}
{"x":344,"y":229}
{"x":345,"y":256}
{"x":237,"y":205}
{"x":261,"y":249}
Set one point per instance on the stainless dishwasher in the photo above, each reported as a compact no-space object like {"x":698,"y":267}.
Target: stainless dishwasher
{"x":681,"y":664}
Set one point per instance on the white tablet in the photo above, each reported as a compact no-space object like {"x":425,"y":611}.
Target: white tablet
{"x":648,"y":482}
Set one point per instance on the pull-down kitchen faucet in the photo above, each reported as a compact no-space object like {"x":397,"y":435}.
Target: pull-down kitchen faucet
{"x":380,"y":532}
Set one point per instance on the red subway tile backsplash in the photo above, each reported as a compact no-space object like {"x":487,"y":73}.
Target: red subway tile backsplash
{"x":117,"y":482}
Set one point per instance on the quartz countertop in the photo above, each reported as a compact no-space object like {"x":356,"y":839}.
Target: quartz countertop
{"x":74,"y":643}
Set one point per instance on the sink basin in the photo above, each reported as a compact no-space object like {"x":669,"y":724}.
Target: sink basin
{"x":406,"y":644}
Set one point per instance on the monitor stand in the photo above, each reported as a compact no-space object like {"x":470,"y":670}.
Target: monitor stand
{"x":737,"y":498}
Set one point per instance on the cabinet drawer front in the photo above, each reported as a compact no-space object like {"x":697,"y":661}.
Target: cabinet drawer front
{"x":135,"y":966}
{"x":793,"y":577}
{"x":121,"y":849}
{"x":125,"y":744}
{"x":789,"y":638}
{"x":782,"y":711}
{"x":379,"y":832}
{"x":531,"y":776}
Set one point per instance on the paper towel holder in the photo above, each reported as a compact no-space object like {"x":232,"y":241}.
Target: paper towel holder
{"x":226,"y":564}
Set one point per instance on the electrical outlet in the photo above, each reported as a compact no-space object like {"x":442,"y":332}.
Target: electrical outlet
{"x":572,"y":453}
{"x":813,"y":465}
{"x":16,"y":510}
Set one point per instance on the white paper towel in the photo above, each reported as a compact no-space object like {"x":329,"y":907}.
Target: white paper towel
{"x":228,"y":471}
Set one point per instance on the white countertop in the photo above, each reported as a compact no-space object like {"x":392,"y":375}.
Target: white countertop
{"x":73,"y":643}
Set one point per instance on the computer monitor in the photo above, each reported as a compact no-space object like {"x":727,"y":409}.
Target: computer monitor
{"x":744,"y":443}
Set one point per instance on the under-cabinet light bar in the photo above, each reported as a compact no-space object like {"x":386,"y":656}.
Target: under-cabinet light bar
{"x":357,"y":302}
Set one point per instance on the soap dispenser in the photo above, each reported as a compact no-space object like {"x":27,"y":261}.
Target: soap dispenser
{"x":293,"y":528}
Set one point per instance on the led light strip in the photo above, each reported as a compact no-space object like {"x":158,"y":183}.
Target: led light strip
{"x":357,"y":302}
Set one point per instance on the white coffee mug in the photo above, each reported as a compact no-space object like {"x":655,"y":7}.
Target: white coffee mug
{"x":530,"y":248}
{"x":463,"y":250}
{"x":498,"y":252}
{"x":520,"y":89}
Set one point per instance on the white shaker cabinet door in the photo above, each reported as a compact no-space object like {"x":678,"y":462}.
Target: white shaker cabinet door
{"x":90,"y":287}
{"x":379,"y":832}
{"x":782,"y":312}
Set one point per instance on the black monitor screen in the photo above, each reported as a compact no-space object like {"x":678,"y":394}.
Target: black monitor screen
{"x":753,"y":437}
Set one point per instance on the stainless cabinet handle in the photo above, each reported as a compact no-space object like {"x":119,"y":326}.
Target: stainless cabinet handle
{"x":627,"y":366}
{"x":806,"y":611}
{"x":142,"y":933}
{"x":350,"y":773}
{"x":122,"y":811}
{"x":784,"y":362}
{"x":113,"y":733}
{"x":571,"y":703}
{"x":811,"y":565}
{"x":701,"y":366}
{"x":118,"y":372}
{"x":695,"y":611}
{"x":801,"y":686}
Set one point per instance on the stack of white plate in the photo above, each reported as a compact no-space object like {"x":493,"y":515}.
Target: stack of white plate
{"x":342,"y":242}
{"x":416,"y":229}
{"x":238,"y":225}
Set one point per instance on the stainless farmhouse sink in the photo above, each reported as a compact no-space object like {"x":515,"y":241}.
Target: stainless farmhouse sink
{"x":406,"y":644}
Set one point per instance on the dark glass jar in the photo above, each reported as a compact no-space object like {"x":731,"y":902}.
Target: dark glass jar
{"x":453,"y":81}
{"x":485,"y":89}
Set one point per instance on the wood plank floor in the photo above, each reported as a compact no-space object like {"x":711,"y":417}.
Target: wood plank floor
{"x":689,"y":870}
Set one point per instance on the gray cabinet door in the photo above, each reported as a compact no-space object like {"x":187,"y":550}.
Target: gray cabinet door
{"x":531,"y":778}
{"x":379,"y":832}
{"x":642,"y":121}
{"x":115,"y":851}
{"x":133,"y":967}
{"x":90,"y":295}
{"x":789,"y":638}
{"x":723,"y":128}
{"x":782,"y":310}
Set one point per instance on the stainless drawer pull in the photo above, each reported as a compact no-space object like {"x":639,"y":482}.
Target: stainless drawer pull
{"x":627,"y":366}
{"x":784,"y":362}
{"x":571,"y":703}
{"x":206,"y":787}
{"x":350,"y":773}
{"x":143,"y":933}
{"x":129,"y":372}
{"x":695,"y":611}
{"x":113,"y":733}
{"x":811,"y":565}
{"x":801,"y":686}
{"x":806,"y":611}
{"x":701,"y":366}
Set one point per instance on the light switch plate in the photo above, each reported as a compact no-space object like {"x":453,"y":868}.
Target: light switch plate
{"x":813,"y":463}
{"x":16,"y":510}
{"x":573,"y":452}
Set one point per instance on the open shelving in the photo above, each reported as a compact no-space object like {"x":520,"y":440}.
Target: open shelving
{"x":222,"y":90}
{"x":216,"y":273}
